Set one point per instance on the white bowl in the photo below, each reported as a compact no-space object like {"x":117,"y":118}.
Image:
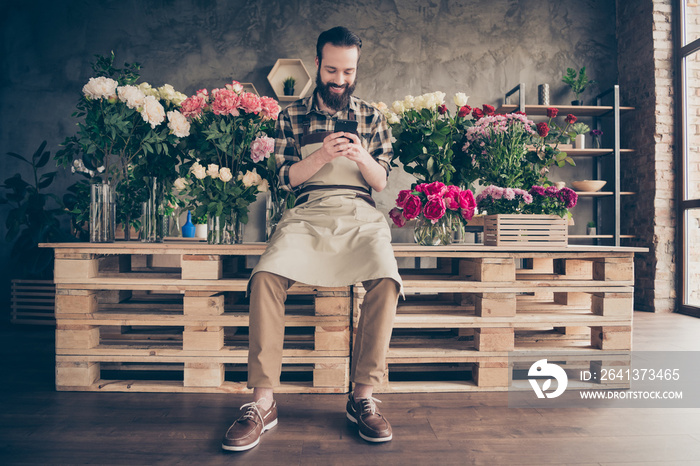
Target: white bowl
{"x":588,"y":185}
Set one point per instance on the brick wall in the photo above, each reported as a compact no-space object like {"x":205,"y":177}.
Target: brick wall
{"x":645,"y":44}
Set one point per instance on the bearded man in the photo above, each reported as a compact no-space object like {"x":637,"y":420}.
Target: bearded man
{"x":332,"y":237}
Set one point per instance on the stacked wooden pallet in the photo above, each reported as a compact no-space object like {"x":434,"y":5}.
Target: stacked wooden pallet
{"x":125,"y":328}
{"x":32,"y":302}
{"x":475,"y":319}
{"x":481,"y":316}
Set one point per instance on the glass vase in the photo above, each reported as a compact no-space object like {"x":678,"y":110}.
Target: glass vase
{"x":225,"y":229}
{"x":102,"y":213}
{"x":152,"y":218}
{"x":427,"y":233}
{"x":274,"y":208}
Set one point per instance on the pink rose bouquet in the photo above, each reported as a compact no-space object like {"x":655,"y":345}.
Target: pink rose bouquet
{"x":434,"y":201}
{"x":538,"y":200}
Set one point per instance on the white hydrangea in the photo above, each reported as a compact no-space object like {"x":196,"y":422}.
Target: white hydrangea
{"x":153,"y":112}
{"x":100,"y":88}
{"x":132,"y":96}
{"x":461,"y":99}
{"x":178,"y":124}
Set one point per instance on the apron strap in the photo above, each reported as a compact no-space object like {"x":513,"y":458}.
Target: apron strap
{"x":316,"y":187}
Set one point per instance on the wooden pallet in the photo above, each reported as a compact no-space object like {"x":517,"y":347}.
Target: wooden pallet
{"x":32,"y":302}
{"x":130,"y":320}
{"x":529,"y":230}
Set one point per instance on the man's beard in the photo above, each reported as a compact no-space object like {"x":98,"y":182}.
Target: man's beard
{"x":331,"y":99}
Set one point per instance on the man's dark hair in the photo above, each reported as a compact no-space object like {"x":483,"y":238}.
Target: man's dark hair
{"x":340,"y":37}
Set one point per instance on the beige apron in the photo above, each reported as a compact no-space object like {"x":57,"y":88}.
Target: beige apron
{"x":334,"y":238}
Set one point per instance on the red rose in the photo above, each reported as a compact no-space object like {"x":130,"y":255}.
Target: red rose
{"x":435,"y":188}
{"x":570,"y":119}
{"x":442,"y":109}
{"x":403,"y":196}
{"x":434,"y":209}
{"x":552,"y":112}
{"x":452,"y":197}
{"x":397,"y":217}
{"x":477,"y":113}
{"x":412,"y":207}
{"x":488,"y":109}
{"x":519,"y":113}
{"x":464,"y":111}
{"x":542,"y":129}
{"x":466,"y":200}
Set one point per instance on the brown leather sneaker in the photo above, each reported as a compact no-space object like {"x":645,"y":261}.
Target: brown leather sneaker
{"x":373,"y":427}
{"x":245,"y":432}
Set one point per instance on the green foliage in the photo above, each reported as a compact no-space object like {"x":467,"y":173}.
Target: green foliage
{"x":577,"y":81}
{"x":578,"y":128}
{"x":104,"y":66}
{"x":32,"y":219}
{"x":429,"y":146}
{"x":289,"y":82}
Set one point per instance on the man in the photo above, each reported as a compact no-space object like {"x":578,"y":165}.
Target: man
{"x":332,"y":237}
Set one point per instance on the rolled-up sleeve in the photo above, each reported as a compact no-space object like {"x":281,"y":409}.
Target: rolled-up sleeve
{"x":380,"y":145}
{"x":287,"y":152}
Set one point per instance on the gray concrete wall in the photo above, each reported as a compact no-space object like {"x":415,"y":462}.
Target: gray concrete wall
{"x":479,"y":47}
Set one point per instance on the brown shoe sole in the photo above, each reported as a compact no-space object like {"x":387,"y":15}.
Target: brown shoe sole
{"x":251,"y":445}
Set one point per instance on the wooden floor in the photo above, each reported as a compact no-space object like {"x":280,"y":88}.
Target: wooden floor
{"x":41,"y":426}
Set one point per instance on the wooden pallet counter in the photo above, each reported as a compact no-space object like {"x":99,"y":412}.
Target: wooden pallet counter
{"x":174,"y":316}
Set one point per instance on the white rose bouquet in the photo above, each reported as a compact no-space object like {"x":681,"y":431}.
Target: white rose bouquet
{"x":127,"y":132}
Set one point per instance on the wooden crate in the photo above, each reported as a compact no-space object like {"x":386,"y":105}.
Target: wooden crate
{"x":32,"y":302}
{"x":529,"y":230}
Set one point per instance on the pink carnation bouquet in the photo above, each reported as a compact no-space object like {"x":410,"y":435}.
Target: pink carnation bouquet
{"x":538,"y":200}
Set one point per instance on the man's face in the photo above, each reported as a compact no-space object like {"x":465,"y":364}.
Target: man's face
{"x":335,"y":79}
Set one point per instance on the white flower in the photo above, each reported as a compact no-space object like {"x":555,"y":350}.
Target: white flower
{"x":264,"y":186}
{"x":461,"y":99}
{"x":213,"y":170}
{"x":178,"y":124}
{"x":100,"y":88}
{"x":235,"y":86}
{"x":132,"y":96}
{"x":199,"y":171}
{"x":180,"y":184}
{"x":251,"y":178}
{"x":419,"y":102}
{"x":398,"y":107}
{"x":409,"y":102}
{"x":393,"y":119}
{"x":148,"y":90}
{"x":225,"y":174}
{"x":166,"y":92}
{"x":179,"y":98}
{"x":153,"y":112}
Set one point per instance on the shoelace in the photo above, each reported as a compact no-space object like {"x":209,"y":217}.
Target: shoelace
{"x":251,"y":411}
{"x":369,"y":405}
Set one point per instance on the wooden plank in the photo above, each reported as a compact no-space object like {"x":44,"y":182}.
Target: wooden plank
{"x":202,"y":338}
{"x":203,"y":306}
{"x":494,"y":339}
{"x":495,"y":304}
{"x":332,"y":305}
{"x":613,"y":304}
{"x":199,"y":374}
{"x":610,"y":269}
{"x":69,"y":269}
{"x":76,"y":374}
{"x":202,"y":267}
{"x":331,"y":338}
{"x":76,"y":337}
{"x":611,"y":338}
{"x":488,"y":269}
{"x":492,"y":374}
{"x":332,"y":375}
{"x":85,"y":303}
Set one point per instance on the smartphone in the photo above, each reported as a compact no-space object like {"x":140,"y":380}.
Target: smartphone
{"x":346,"y":126}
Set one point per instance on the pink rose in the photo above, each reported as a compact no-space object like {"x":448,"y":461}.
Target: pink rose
{"x":434,"y":209}
{"x":467,"y":214}
{"x":412,"y":207}
{"x":270,"y":107}
{"x":403,"y":197}
{"x":250,"y":103}
{"x":397,"y":217}
{"x":435,"y":188}
{"x":466,"y":200}
{"x":225,"y":102}
{"x":452,"y":197}
{"x":192,"y":106}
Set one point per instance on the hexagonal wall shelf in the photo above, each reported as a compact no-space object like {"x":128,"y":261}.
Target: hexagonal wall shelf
{"x":249,"y":87}
{"x":284,"y":68}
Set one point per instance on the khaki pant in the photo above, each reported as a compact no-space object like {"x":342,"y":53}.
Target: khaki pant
{"x":268,"y":293}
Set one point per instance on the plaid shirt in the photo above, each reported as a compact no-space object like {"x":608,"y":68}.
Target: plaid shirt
{"x":371,"y":126}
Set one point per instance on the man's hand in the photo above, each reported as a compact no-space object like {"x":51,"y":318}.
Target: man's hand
{"x":354,"y":150}
{"x":334,"y":145}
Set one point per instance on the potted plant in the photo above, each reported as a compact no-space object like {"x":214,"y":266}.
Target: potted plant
{"x":591,"y":229}
{"x":578,"y":82}
{"x":289,"y":85}
{"x":577,"y":133}
{"x":200,"y":226}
